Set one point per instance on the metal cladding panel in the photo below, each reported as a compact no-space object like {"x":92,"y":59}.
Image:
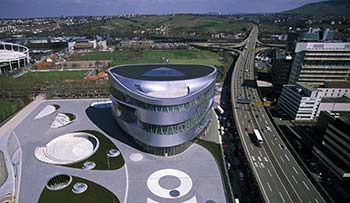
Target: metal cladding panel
{"x":166,"y":118}
{"x":162,"y":117}
{"x":129,"y":87}
{"x":160,"y":140}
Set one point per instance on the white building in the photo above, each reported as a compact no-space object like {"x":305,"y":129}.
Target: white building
{"x":303,"y":102}
{"x":315,"y":62}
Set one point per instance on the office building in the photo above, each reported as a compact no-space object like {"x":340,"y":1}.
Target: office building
{"x":314,"y":63}
{"x":164,"y":107}
{"x":310,"y":35}
{"x":302,"y":102}
{"x":334,"y":149}
{"x":281,"y":66}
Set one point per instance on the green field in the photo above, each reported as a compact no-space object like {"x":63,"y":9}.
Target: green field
{"x":103,"y":162}
{"x":176,"y":25}
{"x":94,"y":194}
{"x":188,"y":23}
{"x":67,"y":75}
{"x":8,"y":107}
{"x":156,"y":56}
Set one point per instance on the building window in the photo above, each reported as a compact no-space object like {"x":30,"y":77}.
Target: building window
{"x":158,"y":108}
{"x":198,"y":118}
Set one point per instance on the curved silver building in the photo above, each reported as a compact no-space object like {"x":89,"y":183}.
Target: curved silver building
{"x":163,"y":107}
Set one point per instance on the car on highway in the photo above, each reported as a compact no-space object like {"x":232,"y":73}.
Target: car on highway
{"x":241,"y":175}
{"x":246,"y":129}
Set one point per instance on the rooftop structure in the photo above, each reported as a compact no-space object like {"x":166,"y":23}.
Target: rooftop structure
{"x":311,"y":35}
{"x":304,"y":102}
{"x":164,"y":107}
{"x":316,"y":62}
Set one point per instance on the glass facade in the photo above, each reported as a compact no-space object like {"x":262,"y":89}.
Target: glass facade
{"x":158,"y":108}
{"x":165,"y":151}
{"x":177,"y":128}
{"x":163,"y":126}
{"x":124,"y":112}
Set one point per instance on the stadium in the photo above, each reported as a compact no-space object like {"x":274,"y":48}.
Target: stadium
{"x":164,"y":107}
{"x":12,"y":57}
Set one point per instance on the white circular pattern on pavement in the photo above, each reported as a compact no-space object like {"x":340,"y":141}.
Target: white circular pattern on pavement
{"x":184,"y":187}
{"x":61,"y":120}
{"x":67,"y":149}
{"x":136,"y":157}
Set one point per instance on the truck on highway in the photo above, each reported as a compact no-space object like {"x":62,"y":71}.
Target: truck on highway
{"x":243,"y":101}
{"x":220,"y":110}
{"x":258,"y":138}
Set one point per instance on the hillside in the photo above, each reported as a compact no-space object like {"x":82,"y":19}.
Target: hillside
{"x":336,"y":7}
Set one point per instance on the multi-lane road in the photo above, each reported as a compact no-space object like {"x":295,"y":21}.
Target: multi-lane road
{"x":278,"y":175}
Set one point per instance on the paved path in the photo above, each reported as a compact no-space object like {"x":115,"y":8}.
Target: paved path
{"x":129,"y":183}
{"x":8,"y":186}
{"x":17,"y":119}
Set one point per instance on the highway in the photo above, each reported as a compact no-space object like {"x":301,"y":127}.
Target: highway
{"x":278,"y":175}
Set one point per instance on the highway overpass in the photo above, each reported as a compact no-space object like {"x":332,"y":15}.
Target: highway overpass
{"x":279,"y":177}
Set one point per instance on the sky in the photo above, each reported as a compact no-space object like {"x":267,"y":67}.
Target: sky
{"x":47,"y":8}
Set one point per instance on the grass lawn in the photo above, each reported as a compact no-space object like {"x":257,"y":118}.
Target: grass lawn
{"x":195,"y":61}
{"x":155,"y":56}
{"x":214,"y":149}
{"x":8,"y":107}
{"x":100,"y":157}
{"x":94,"y":194}
{"x":69,"y":75}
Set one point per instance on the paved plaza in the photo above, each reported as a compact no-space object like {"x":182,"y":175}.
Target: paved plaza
{"x":192,"y":176}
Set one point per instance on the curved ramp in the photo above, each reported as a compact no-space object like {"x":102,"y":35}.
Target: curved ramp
{"x":68,"y":149}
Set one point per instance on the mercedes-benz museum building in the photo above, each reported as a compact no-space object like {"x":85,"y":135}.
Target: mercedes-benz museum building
{"x":164,"y":107}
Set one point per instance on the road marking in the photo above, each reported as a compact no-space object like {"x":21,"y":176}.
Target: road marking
{"x":260,"y":153}
{"x":268,"y":184}
{"x":266,"y":159}
{"x":295,"y":170}
{"x":281,"y":159}
{"x":251,"y":146}
{"x":253,"y":158}
{"x":295,"y":180}
{"x":316,"y":200}
{"x":306,"y":186}
{"x":266,"y":122}
{"x":256,"y":165}
{"x":263,"y":116}
{"x":286,"y":157}
{"x":269,"y":172}
{"x":281,"y":197}
{"x":273,"y":143}
{"x":259,"y":158}
{"x":262,"y":165}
